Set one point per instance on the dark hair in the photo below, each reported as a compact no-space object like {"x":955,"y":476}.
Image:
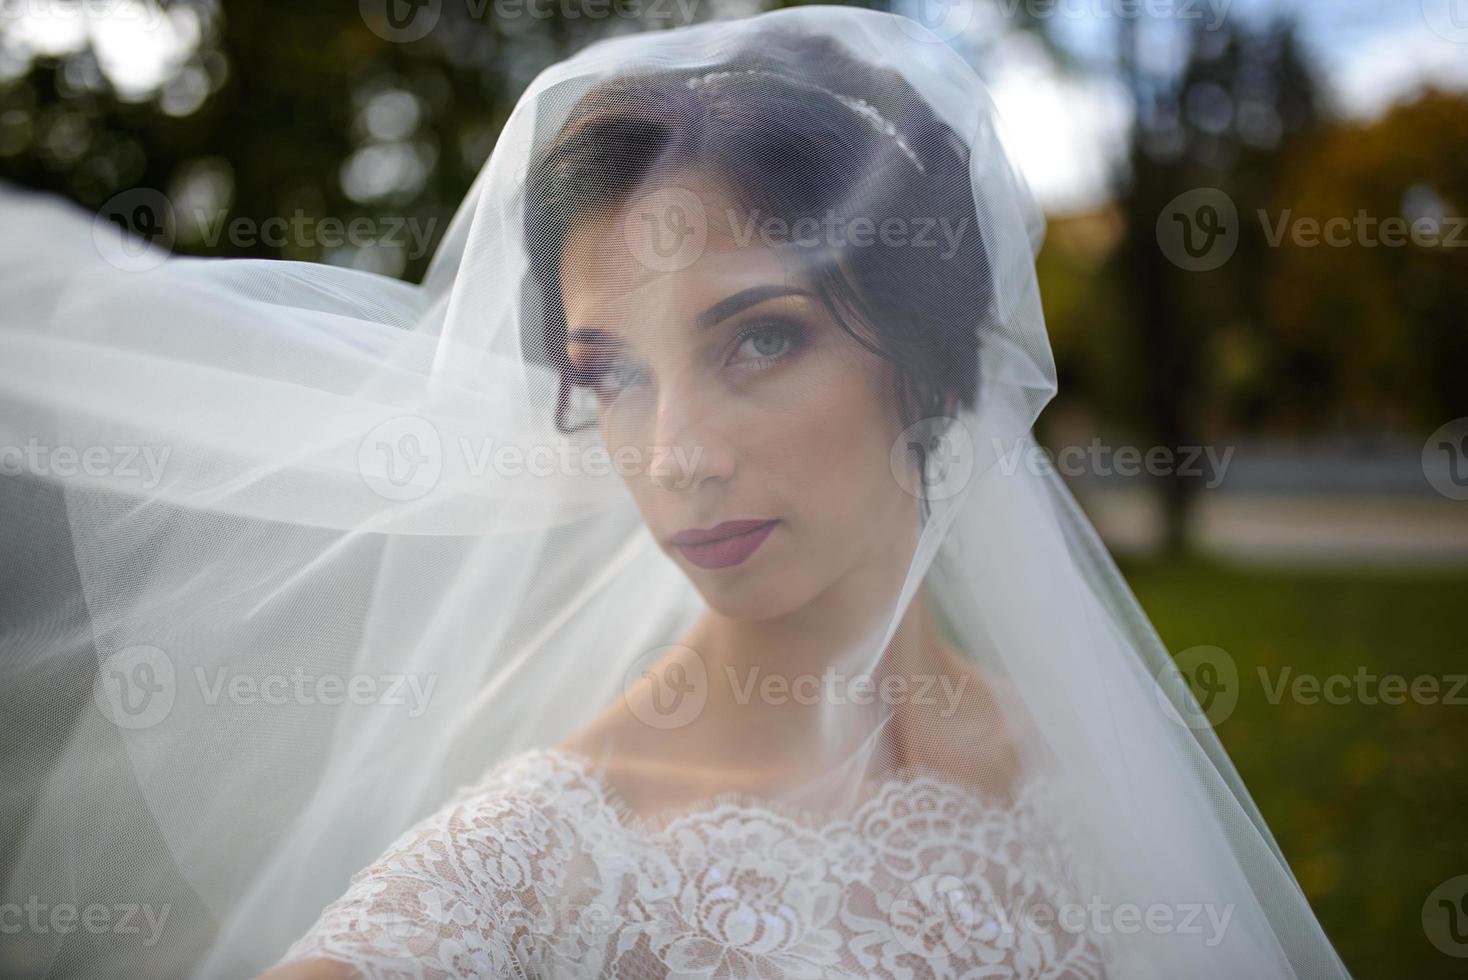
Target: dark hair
{"x":788,"y":124}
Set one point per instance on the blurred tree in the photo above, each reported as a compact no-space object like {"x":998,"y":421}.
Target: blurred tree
{"x":1086,"y":312}
{"x":1366,"y":293}
{"x":263,"y":111}
{"x":1221,"y":117}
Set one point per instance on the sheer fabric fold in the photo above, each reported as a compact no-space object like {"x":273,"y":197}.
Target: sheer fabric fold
{"x":303,"y":553}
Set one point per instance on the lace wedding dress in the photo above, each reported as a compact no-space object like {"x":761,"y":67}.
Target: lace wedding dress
{"x":337,"y":553}
{"x":542,"y":870}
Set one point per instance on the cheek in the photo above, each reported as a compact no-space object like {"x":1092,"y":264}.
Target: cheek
{"x":830,"y":442}
{"x":617,"y":434}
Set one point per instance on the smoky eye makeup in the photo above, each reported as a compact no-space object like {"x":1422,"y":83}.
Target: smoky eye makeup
{"x":764,"y":340}
{"x":760,"y":342}
{"x":752,"y":341}
{"x":605,"y":374}
{"x":598,"y":362}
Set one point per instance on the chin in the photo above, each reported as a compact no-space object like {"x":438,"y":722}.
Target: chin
{"x":752,"y":595}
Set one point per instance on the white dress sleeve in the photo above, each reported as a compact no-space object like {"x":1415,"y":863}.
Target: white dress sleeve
{"x":461,"y":894}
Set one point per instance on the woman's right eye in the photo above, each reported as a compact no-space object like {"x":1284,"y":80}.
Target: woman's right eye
{"x":616,"y":377}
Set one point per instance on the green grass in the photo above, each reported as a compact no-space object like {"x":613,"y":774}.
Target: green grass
{"x":1368,"y":802}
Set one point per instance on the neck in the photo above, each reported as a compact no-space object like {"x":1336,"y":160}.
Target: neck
{"x":817,"y":671}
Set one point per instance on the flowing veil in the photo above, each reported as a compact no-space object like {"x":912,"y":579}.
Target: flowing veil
{"x":299,"y":551}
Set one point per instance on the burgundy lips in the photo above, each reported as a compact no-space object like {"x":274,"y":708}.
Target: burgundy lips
{"x":724,"y":544}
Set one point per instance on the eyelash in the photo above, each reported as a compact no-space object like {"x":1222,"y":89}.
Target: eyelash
{"x":788,"y":330}
{"x":785,"y":329}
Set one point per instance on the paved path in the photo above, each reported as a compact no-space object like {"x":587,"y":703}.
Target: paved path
{"x":1324,"y":528}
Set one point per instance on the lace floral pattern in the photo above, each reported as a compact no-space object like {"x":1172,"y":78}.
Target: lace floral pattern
{"x":540,"y":871}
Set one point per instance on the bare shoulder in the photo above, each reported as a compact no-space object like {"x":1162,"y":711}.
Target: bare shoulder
{"x":621,"y":732}
{"x":638,"y":762}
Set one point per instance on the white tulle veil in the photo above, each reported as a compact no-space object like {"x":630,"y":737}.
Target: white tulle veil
{"x":275,"y":597}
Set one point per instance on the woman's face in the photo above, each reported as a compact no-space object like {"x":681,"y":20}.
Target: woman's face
{"x":742,"y":397}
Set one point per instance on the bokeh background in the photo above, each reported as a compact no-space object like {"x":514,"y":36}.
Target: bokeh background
{"x":1255,"y":277}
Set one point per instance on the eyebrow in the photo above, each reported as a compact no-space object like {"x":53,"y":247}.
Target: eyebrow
{"x":719,"y":312}
{"x":725,"y":308}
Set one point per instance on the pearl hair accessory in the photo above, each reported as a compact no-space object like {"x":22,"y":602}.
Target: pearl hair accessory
{"x":861,"y":107}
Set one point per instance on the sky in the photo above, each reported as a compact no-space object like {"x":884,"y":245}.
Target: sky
{"x":1067,"y":130}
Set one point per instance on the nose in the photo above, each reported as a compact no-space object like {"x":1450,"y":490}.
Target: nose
{"x":690,"y":446}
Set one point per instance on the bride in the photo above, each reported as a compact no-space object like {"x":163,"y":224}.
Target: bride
{"x":795,"y":661}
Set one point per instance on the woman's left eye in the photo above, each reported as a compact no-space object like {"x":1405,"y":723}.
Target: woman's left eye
{"x":766,"y":342}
